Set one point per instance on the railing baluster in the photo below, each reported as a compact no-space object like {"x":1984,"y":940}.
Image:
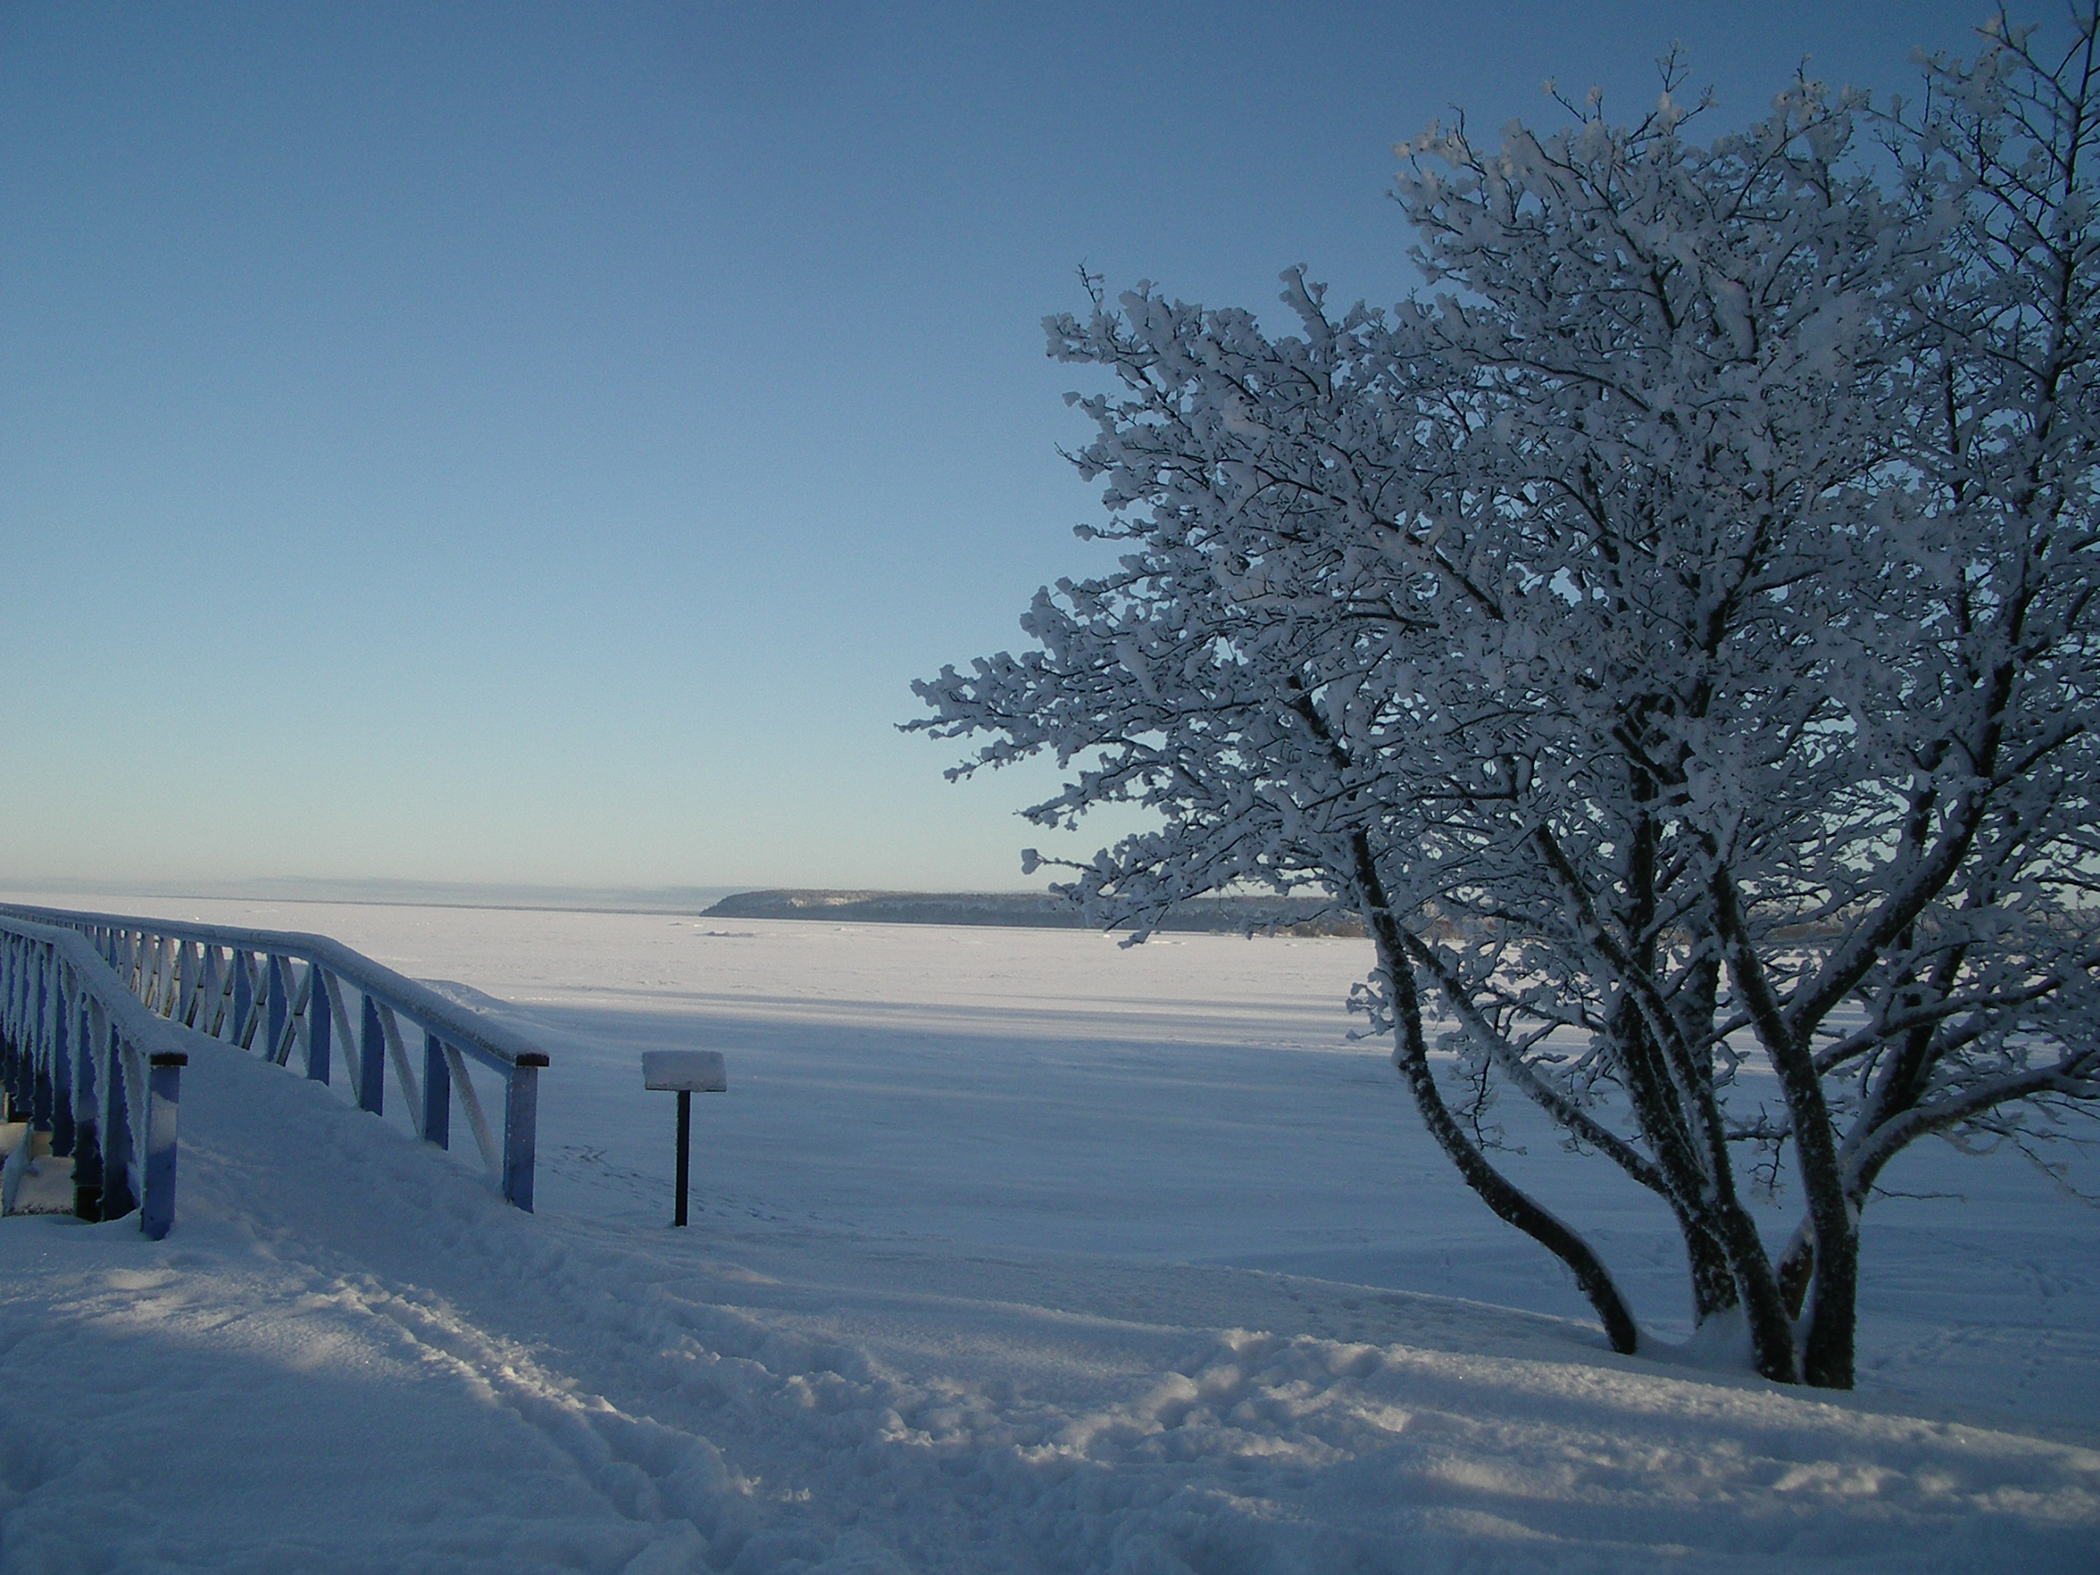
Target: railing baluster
{"x":371,"y":1059}
{"x":437,"y":1092}
{"x":210,"y":1016}
{"x":318,"y":1022}
{"x":243,"y":997}
{"x":183,"y":1009}
{"x":280,"y":1010}
{"x":295,"y":1024}
{"x":411,"y":1098}
{"x":339,"y":1014}
{"x":117,"y":1199}
{"x":470,"y":1102}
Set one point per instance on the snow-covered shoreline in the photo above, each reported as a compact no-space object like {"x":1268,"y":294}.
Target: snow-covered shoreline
{"x":1011,"y":1251}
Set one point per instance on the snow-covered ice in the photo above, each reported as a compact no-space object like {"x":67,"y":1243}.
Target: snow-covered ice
{"x":1011,"y":1251}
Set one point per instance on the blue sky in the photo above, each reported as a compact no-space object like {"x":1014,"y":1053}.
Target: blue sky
{"x":541,"y":444}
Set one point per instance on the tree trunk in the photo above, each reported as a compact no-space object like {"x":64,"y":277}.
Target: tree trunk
{"x":1510,"y":1202}
{"x":1828,"y":1347}
{"x":1827,"y":1353}
{"x":1797,"y":1265}
{"x":1663,"y":1124}
{"x":1713,"y":1284}
{"x":1771,"y":1330}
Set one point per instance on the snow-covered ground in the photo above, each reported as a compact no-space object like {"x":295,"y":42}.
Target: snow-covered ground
{"x":1012,"y":1250}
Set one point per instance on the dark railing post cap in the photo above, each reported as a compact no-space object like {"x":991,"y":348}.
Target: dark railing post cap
{"x":168,"y":1058}
{"x":530,"y":1058}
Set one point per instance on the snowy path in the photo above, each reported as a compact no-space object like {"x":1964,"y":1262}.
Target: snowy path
{"x":953,"y":1312}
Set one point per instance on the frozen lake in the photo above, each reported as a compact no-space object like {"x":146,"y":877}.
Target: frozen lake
{"x":1045,"y":1177}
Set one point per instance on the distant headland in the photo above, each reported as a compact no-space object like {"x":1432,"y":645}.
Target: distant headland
{"x":1029,"y":910}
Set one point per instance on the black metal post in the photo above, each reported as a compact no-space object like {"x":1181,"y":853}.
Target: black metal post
{"x":685,"y":1144}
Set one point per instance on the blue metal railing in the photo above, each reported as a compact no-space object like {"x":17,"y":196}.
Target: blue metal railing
{"x":273,"y":992}
{"x":82,"y":1059}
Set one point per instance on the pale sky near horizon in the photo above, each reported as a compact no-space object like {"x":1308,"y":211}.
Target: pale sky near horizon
{"x":541,"y":443}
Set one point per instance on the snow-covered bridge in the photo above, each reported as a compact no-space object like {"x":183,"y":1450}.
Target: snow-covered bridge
{"x":96,"y":1011}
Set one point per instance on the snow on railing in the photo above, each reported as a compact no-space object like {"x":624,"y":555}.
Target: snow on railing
{"x":83,"y":1060}
{"x":271,"y":992}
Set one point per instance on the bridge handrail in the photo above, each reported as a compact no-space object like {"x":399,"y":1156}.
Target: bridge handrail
{"x":82,"y":1059}
{"x":235,"y":978}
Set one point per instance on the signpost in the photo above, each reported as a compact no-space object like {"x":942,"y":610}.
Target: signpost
{"x":689,"y":1072}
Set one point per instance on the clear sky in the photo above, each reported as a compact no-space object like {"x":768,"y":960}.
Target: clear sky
{"x":541,"y":443}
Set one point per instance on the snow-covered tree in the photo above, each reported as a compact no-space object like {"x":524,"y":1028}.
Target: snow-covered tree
{"x":1673,"y":632}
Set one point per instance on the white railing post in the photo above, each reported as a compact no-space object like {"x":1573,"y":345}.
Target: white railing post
{"x":62,"y":1014}
{"x":521,"y":1128}
{"x":163,"y":1097}
{"x":117,"y":1198}
{"x":87,"y":1119}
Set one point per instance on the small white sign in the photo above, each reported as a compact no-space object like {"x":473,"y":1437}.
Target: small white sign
{"x":694,"y":1071}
